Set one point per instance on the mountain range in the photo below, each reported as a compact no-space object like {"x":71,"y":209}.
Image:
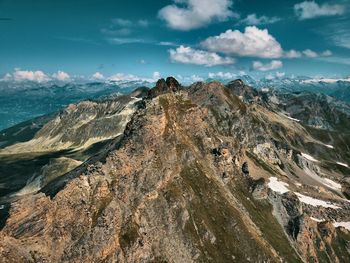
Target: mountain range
{"x":208,"y":172}
{"x":21,"y":101}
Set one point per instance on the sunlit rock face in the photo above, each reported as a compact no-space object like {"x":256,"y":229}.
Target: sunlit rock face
{"x":204,"y":173}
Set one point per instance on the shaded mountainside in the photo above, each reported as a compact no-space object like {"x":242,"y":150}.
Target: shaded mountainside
{"x":205,"y":173}
{"x":35,"y":152}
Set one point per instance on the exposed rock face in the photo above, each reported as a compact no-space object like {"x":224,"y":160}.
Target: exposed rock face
{"x":164,"y":86}
{"x":187,"y":182}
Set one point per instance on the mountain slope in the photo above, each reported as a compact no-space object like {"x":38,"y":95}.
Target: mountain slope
{"x":199,"y":175}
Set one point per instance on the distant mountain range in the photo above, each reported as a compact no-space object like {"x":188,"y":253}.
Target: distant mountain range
{"x":21,"y":101}
{"x":26,"y":100}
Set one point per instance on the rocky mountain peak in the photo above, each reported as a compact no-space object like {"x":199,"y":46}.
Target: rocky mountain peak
{"x":239,"y":88}
{"x":164,"y":86}
{"x":236,"y":82}
{"x":172,"y":83}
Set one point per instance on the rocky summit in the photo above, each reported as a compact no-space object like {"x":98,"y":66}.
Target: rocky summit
{"x":202,"y":173}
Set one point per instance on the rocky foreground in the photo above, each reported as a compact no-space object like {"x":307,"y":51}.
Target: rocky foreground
{"x":206,"y":173}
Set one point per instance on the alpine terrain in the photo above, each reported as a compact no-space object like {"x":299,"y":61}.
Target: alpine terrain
{"x":201,"y":173}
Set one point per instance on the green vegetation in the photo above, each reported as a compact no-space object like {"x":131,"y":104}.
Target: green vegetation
{"x":261,"y":213}
{"x":214,"y":225}
{"x":261,"y":163}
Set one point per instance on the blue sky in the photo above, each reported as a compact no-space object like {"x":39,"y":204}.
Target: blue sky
{"x":44,"y":39}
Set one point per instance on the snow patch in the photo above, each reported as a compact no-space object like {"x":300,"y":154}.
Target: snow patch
{"x":343,"y":164}
{"x":325,"y":181}
{"x":316,"y":219}
{"x":315,"y":202}
{"x":293,"y":119}
{"x":277,"y":186}
{"x":342,"y":224}
{"x":329,"y":146}
{"x":331,"y":184}
{"x":309,"y":157}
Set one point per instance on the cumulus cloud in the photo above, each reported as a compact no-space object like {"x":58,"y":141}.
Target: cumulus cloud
{"x":293,"y":54}
{"x":222,"y":75}
{"x":61,"y":76}
{"x":311,"y":9}
{"x":307,"y":53}
{"x":310,"y":53}
{"x":196,"y":78}
{"x":189,"y":79}
{"x":191,"y":14}
{"x":188,"y":55}
{"x":97,"y":76}
{"x":326,"y":53}
{"x":27,"y":75}
{"x":274,"y":64}
{"x":156,"y":75}
{"x":253,"y":42}
{"x":122,"y":77}
{"x":254,"y":20}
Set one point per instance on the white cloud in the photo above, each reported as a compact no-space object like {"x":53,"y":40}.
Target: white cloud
{"x":97,"y":76}
{"x":61,"y":76}
{"x":192,"y":14}
{"x":222,"y":75}
{"x":274,"y":64}
{"x":310,"y":9}
{"x":326,"y":53}
{"x":254,"y":20}
{"x":293,"y":54}
{"x":310,"y":54}
{"x":307,"y":53}
{"x":156,"y":75}
{"x":189,"y":79}
{"x":253,"y":42}
{"x":196,"y":78}
{"x":188,"y":55}
{"x":122,"y":77}
{"x":27,"y":75}
{"x":325,"y":80}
